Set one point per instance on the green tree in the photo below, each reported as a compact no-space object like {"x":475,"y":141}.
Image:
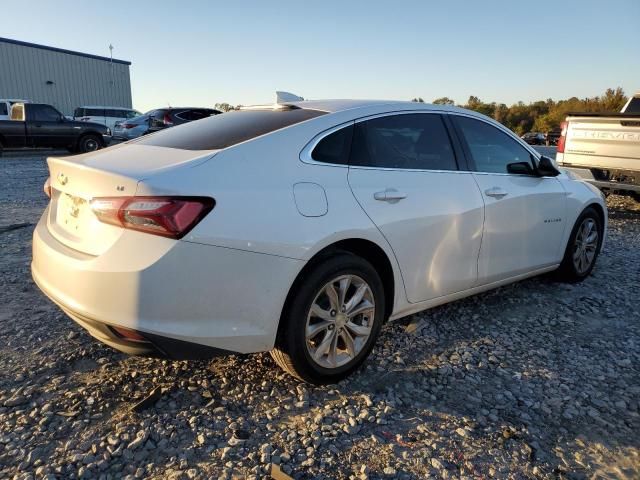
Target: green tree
{"x":418,"y":100}
{"x":224,"y":107}
{"x":443,"y":101}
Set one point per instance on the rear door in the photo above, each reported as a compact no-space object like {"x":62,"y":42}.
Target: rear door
{"x":524,"y":213}
{"x":404,"y":173}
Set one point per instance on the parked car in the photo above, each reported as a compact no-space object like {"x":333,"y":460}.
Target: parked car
{"x":168,"y":117}
{"x":534,"y":138}
{"x":132,"y":128}
{"x":5,"y":106}
{"x":105,"y":115}
{"x":37,"y":125}
{"x":552,"y":137}
{"x":604,"y":148}
{"x":300,"y":229}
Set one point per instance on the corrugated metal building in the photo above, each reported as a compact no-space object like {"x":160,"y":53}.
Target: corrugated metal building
{"x":62,"y":78}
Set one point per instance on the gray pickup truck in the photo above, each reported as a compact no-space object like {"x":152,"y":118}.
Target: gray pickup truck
{"x":37,"y":125}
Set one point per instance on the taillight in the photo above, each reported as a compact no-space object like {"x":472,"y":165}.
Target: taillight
{"x":167,"y":119}
{"x":128,"y":125}
{"x":47,"y":187}
{"x":563,"y":136}
{"x":171,"y":217}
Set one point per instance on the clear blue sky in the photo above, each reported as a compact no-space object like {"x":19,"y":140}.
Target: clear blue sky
{"x":203,"y":52}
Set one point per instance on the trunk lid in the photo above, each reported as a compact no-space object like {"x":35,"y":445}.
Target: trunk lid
{"x":113,"y":172}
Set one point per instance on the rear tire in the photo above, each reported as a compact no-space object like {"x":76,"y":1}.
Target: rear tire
{"x":322,"y":337}
{"x":583,"y":247}
{"x":89,"y":143}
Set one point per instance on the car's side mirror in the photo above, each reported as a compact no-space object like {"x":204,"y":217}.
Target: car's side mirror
{"x":546,"y":168}
{"x":520,"y":168}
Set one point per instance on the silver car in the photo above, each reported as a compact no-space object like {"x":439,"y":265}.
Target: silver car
{"x":132,"y":128}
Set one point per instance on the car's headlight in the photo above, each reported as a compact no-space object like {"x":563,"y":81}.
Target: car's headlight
{"x":108,"y":131}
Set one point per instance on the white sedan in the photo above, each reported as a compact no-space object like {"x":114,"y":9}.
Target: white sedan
{"x":300,"y":228}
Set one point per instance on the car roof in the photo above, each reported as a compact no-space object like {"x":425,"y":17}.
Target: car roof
{"x":339,"y":105}
{"x":105,"y":106}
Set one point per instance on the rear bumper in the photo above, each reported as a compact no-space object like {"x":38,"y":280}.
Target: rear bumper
{"x":605,"y":179}
{"x":172,"y":292}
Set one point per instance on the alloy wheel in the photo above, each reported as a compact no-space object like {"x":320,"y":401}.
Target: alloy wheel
{"x":340,"y":321}
{"x":585,"y":245}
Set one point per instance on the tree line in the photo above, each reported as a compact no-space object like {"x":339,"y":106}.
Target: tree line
{"x":543,"y":115}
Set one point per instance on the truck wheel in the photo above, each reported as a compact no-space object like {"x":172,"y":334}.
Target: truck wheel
{"x":331,"y":321}
{"x":89,"y":143}
{"x":583,"y":247}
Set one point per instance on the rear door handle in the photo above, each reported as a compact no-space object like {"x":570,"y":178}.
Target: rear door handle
{"x":389,"y":195}
{"x":496,"y":192}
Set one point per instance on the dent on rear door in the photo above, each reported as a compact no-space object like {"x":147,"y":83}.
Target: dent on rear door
{"x":435,"y":232}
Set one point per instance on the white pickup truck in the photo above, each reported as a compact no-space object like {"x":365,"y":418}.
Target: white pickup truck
{"x":604,"y":148}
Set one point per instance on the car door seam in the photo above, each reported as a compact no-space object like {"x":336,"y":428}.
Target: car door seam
{"x":381,"y":233}
{"x":484,"y":216}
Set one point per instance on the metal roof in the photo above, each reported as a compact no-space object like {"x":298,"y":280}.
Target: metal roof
{"x":61,"y":50}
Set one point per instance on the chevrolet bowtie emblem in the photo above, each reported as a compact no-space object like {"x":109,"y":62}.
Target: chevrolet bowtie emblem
{"x":62,"y":179}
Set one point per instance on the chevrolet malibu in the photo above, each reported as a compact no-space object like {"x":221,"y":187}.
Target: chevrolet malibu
{"x":301,"y":227}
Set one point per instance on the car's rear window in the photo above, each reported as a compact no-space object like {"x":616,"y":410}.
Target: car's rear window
{"x":634,"y":106}
{"x":222,"y":131}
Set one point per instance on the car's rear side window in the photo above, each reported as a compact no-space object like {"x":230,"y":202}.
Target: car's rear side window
{"x":222,"y":131}
{"x":407,"y":141}
{"x":335,"y":147}
{"x":93,"y":112}
{"x":3,"y":108}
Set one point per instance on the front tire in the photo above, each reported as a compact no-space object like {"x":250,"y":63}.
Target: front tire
{"x":583,"y":247}
{"x":332,"y":319}
{"x":89,"y":143}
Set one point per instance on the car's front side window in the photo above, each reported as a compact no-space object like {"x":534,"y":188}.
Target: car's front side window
{"x":45,"y":113}
{"x":405,"y":141}
{"x":492,"y":150}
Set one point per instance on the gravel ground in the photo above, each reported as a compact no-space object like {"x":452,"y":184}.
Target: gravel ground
{"x":534,"y":380}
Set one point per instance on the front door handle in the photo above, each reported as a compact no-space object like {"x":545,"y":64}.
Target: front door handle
{"x":496,"y":192}
{"x":390,"y":195}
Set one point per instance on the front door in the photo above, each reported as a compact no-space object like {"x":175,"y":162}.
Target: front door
{"x":404,"y":174}
{"x":524,"y":213}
